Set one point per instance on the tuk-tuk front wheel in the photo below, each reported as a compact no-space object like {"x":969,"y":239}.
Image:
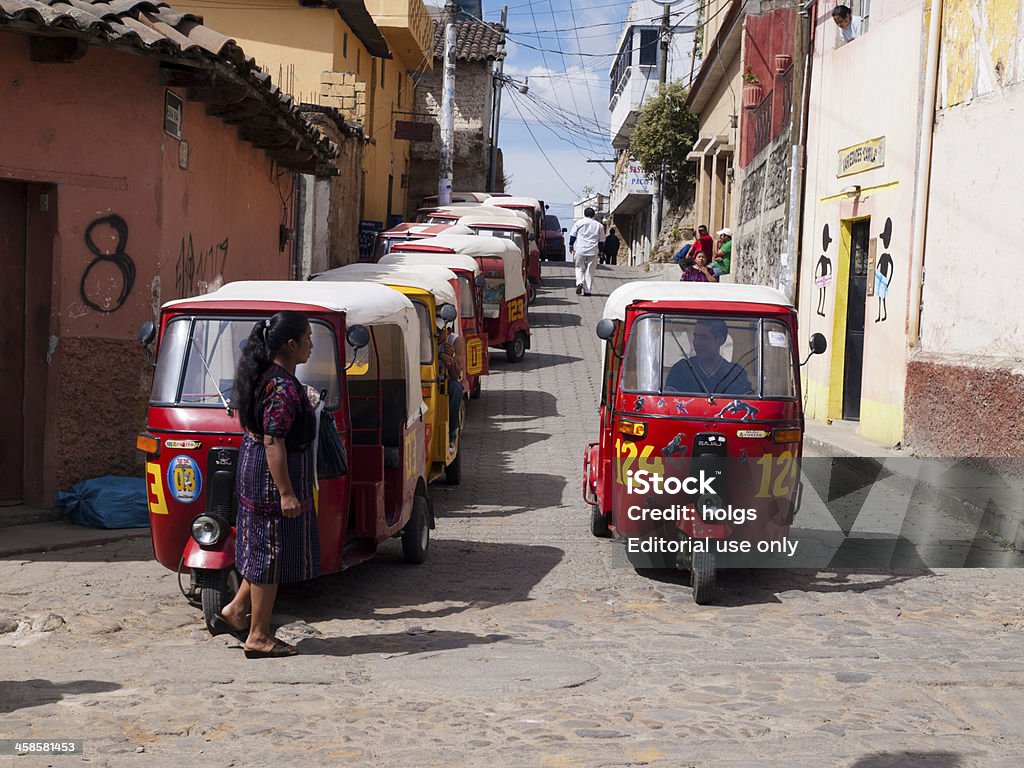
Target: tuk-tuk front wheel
{"x":598,"y":523}
{"x":453,"y":472}
{"x":703,"y":577}
{"x":531,"y":293}
{"x":217,"y":589}
{"x":416,"y":534}
{"x":515,"y":350}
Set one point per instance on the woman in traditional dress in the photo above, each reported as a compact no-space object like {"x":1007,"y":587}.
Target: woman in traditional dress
{"x":276,"y":538}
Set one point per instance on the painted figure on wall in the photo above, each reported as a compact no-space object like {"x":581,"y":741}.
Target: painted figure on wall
{"x":883,"y":273}
{"x":823,"y":271}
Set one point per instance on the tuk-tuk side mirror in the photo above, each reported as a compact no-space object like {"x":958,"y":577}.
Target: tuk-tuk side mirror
{"x":358,"y":336}
{"x":606,"y":329}
{"x":448,"y":313}
{"x":481,"y":281}
{"x":818,"y":344}
{"x":564,"y":230}
{"x":147,"y":332}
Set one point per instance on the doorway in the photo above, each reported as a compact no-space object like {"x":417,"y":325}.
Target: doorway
{"x":856,"y":297}
{"x":13,"y":241}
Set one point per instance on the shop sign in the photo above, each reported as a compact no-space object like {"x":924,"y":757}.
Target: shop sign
{"x":861,"y":157}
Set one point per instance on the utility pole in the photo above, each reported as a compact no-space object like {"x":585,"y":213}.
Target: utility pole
{"x":492,"y":175}
{"x":664,"y":40}
{"x":444,"y":184}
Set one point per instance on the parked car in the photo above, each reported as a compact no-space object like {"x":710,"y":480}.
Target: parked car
{"x":554,"y":239}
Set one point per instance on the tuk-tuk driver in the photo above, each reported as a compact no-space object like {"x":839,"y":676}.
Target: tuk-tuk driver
{"x":707,"y":367}
{"x":453,"y":355}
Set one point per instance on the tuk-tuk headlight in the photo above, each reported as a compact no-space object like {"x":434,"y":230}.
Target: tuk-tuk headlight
{"x":209,"y":530}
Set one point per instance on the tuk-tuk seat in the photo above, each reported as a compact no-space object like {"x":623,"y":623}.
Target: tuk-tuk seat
{"x":363,"y":409}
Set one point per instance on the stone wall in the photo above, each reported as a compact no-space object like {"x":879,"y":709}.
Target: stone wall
{"x":344,"y":92}
{"x":472,"y":110}
{"x":759,"y":237}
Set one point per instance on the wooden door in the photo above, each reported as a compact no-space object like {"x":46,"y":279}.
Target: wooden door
{"x":12,"y":341}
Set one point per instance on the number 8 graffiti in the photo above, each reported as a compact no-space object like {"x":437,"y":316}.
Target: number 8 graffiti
{"x":118,"y":258}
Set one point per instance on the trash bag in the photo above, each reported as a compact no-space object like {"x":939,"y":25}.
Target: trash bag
{"x":106,"y":502}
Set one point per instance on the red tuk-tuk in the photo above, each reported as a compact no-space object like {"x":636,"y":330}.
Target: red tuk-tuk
{"x":528,"y":206}
{"x":514,"y":226}
{"x":431,"y":201}
{"x":366,"y":361}
{"x":701,"y":385}
{"x":471,"y":305}
{"x":504,"y":296}
{"x":412,"y":231}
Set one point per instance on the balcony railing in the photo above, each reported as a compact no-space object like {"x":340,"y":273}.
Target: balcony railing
{"x":761,"y":118}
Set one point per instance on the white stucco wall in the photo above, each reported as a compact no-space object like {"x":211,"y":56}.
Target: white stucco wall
{"x":973,"y":252}
{"x":866,"y":89}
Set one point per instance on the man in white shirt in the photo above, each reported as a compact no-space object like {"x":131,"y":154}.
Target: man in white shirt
{"x":849,"y":25}
{"x":585,"y":241}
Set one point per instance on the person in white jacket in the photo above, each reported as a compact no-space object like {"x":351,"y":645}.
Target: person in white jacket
{"x":585,"y":242}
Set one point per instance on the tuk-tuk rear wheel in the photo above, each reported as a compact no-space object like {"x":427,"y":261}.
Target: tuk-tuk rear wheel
{"x":477,"y":389}
{"x":598,"y":523}
{"x":703,"y":577}
{"x":218,"y":588}
{"x":531,"y":293}
{"x":515,"y":350}
{"x":416,"y":534}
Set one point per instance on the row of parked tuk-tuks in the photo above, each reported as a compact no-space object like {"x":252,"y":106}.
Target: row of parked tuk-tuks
{"x":459,"y":279}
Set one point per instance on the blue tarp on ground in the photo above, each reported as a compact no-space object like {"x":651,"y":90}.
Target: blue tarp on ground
{"x":106,"y":502}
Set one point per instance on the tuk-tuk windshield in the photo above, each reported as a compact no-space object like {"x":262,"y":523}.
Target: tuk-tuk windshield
{"x":694,"y":355}
{"x":507,"y":234}
{"x":198,"y":356}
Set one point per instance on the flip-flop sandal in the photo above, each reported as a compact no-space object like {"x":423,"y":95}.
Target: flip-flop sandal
{"x":279,"y":650}
{"x":220,"y":626}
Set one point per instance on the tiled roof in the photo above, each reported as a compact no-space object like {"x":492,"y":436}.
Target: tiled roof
{"x":474,"y":40}
{"x":211,"y":65}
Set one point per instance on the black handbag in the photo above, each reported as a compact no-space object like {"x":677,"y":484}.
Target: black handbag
{"x":331,"y":458}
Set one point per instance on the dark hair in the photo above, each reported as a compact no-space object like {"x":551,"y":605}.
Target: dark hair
{"x":702,"y":228}
{"x":588,"y":212}
{"x":717,"y":327}
{"x":842,"y":11}
{"x":266,"y":338}
{"x":688,"y":260}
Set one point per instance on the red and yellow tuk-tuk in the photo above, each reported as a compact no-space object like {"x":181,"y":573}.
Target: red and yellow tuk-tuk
{"x":514,"y":226}
{"x":528,"y":206}
{"x":409,"y":230}
{"x":504,"y":294}
{"x":434,"y":292}
{"x":366,"y":361}
{"x":701,"y":424}
{"x":471,"y":304}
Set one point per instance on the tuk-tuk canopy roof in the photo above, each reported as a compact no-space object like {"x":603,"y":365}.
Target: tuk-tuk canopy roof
{"x":365,"y":307}
{"x":458,"y":197}
{"x":507,"y":218}
{"x":414,"y":256}
{"x":481,"y":247}
{"x":427,"y":277}
{"x":476,"y":209}
{"x":663,"y":290}
{"x":514,"y":200}
{"x":414,"y":229}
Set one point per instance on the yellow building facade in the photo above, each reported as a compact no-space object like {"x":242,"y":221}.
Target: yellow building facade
{"x":357,"y":58}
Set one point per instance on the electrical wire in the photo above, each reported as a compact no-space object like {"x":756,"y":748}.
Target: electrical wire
{"x":515,"y":103}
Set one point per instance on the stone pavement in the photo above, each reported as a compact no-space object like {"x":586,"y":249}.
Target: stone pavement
{"x":523,"y":641}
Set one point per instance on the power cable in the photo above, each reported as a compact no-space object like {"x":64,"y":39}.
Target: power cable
{"x":515,"y":103}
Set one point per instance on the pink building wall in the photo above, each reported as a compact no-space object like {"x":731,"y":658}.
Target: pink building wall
{"x":89,"y":135}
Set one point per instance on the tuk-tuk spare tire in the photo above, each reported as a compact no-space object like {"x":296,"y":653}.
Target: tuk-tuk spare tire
{"x":515,"y":350}
{"x":416,"y":533}
{"x":598,"y":523}
{"x":217,"y":589}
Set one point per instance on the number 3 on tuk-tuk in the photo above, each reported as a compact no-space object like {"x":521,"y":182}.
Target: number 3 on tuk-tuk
{"x":701,"y":424}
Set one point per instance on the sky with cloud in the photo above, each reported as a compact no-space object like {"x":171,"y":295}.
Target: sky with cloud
{"x":563,"y":49}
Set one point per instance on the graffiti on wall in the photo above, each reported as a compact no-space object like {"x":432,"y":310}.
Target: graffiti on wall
{"x":195,"y":269}
{"x":883,"y":273}
{"x":97,"y":292}
{"x":823,"y":271}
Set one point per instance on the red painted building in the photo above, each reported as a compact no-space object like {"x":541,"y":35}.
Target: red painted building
{"x":768,"y":60}
{"x":142,"y":159}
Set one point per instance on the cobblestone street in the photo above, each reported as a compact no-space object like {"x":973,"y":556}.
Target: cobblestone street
{"x":523,"y":640}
